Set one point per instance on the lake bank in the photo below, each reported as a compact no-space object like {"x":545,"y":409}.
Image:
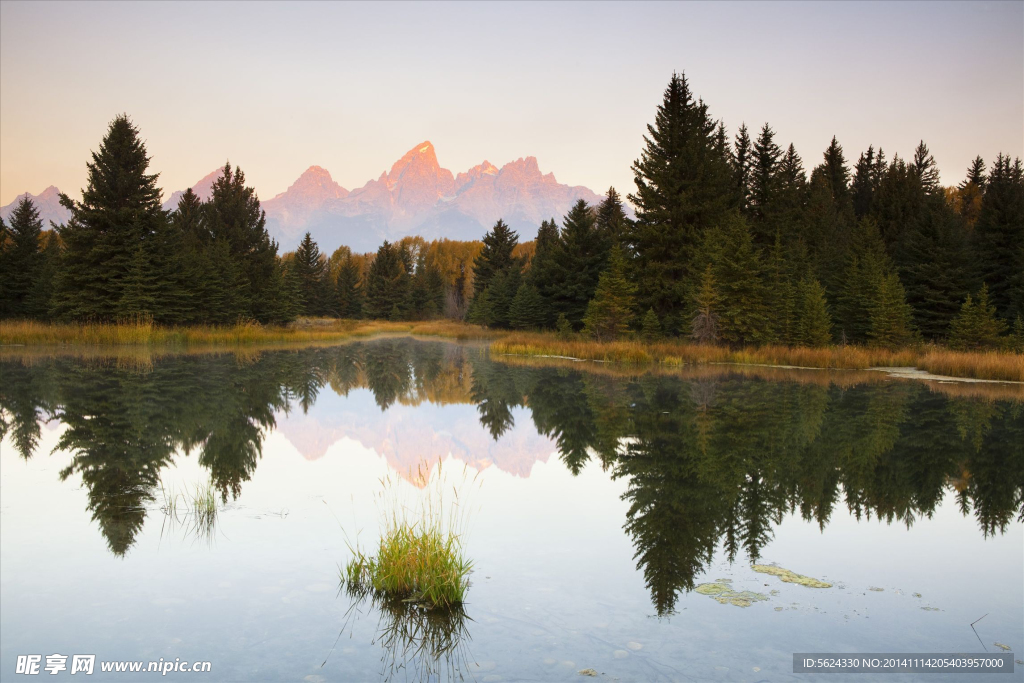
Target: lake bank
{"x":929,"y":358}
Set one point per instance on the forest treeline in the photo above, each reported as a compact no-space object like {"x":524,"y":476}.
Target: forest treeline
{"x":713,"y":463}
{"x":732,"y":242}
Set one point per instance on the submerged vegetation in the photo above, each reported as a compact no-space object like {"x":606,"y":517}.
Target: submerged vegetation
{"x":195,"y":508}
{"x":788,"y":576}
{"x":722,"y":591}
{"x":420,"y":556}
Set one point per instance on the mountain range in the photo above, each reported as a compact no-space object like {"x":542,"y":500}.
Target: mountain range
{"x":47,"y":204}
{"x":416,"y":197}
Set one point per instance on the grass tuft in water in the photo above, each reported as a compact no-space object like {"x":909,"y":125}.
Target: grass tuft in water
{"x":420,"y":557}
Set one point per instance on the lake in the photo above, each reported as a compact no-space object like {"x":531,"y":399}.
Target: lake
{"x":614,"y":514}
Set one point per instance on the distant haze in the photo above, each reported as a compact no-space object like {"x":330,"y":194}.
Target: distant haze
{"x":277,"y":88}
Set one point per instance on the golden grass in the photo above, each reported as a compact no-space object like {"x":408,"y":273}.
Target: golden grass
{"x":420,"y":555}
{"x":992,"y":365}
{"x":303,"y":331}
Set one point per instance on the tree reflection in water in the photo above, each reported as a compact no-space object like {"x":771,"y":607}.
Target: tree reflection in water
{"x":712,"y":459}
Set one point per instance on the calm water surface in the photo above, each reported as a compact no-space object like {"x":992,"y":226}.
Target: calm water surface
{"x":604,"y":500}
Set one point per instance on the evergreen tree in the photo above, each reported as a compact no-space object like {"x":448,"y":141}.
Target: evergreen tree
{"x":610,"y":312}
{"x":813,"y":323}
{"x":650,"y":328}
{"x":739,"y":278}
{"x":934,"y":269}
{"x":612,"y":222}
{"x":866,"y":263}
{"x":791,"y":202}
{"x":704,"y":327}
{"x":6,"y":268}
{"x":233,"y":215}
{"x":976,"y":326}
{"x":581,"y":257}
{"x":496,"y":255}
{"x":42,"y":295}
{"x":925,"y":170}
{"x":741,"y":163}
{"x":971,"y":191}
{"x":24,"y":262}
{"x":545,"y":271}
{"x":527,"y":311}
{"x":386,"y":283}
{"x":891,"y":325}
{"x":764,"y":186}
{"x":863,"y":186}
{"x":348,"y":291}
{"x":999,"y":237}
{"x":119,"y":214}
{"x":311,"y":270}
{"x":683,"y":187}
{"x":427,"y":290}
{"x":835,"y":174}
{"x":782,"y":297}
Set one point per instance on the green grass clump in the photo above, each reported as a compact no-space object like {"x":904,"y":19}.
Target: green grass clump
{"x":420,"y":556}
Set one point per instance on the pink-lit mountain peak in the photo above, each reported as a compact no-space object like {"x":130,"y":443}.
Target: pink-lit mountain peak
{"x":316,"y":184}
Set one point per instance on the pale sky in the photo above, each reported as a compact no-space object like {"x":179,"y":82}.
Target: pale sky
{"x":276,"y":88}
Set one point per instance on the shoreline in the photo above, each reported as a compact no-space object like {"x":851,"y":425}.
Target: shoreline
{"x":925,"y":362}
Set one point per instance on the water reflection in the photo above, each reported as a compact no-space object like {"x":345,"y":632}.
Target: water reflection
{"x":712,"y":458}
{"x":416,"y":643}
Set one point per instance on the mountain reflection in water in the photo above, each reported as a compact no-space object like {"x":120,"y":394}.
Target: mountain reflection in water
{"x":712,"y":457}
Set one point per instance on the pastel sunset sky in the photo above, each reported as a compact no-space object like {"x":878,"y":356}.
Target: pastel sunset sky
{"x":277,"y":87}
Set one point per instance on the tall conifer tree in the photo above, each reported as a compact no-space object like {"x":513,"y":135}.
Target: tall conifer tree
{"x":683,"y":187}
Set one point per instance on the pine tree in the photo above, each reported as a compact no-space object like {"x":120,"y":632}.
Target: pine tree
{"x":971,"y":191}
{"x":527,"y":311}
{"x":311,"y":270}
{"x":764,"y":186}
{"x":610,"y":312}
{"x":41,"y":299}
{"x":741,"y":163}
{"x":781,"y":294}
{"x":739,"y":278}
{"x":6,"y":269}
{"x":496,"y":255}
{"x":139,"y":289}
{"x":791,"y":203}
{"x":233,"y":215}
{"x":348,"y":291}
{"x":866,"y":263}
{"x":813,"y":322}
{"x":24,"y":261}
{"x":704,"y":328}
{"x":386,"y":284}
{"x":835,"y":174}
{"x":925,"y":170}
{"x":683,"y":187}
{"x":120,"y":210}
{"x":934,"y":269}
{"x":976,"y":326}
{"x":999,"y":237}
{"x":581,"y":257}
{"x":650,"y":328}
{"x":545,"y":271}
{"x":612,"y":222}
{"x":863,"y":186}
{"x":891,"y":325}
